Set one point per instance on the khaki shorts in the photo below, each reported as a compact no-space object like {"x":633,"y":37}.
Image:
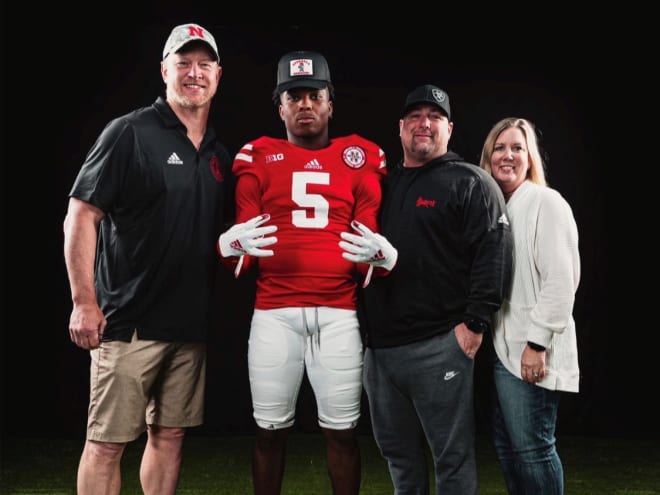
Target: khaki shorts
{"x":144,"y":382}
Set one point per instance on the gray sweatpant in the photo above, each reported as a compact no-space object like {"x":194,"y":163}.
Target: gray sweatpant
{"x":421,"y":400}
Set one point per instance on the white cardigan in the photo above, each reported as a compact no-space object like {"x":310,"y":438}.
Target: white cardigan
{"x":546,"y":273}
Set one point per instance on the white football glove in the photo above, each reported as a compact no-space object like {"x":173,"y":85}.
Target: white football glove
{"x":368,"y":247}
{"x":248,"y":238}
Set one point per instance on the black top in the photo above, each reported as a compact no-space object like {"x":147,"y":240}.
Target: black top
{"x":166,"y":204}
{"x":448,"y":221}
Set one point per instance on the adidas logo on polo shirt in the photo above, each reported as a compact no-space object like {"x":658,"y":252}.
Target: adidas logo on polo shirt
{"x":174,"y":159}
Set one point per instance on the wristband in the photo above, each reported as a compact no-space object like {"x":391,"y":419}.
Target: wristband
{"x":536,"y":347}
{"x":476,"y":325}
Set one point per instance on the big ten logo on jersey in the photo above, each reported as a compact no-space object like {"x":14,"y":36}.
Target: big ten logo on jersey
{"x":277,"y":157}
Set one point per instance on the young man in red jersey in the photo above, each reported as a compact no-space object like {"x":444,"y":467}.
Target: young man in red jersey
{"x":311,"y":188}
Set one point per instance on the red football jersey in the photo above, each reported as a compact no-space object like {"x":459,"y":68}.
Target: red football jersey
{"x":312,"y":196}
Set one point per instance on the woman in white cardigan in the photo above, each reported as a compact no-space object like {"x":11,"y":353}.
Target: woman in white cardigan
{"x":534,"y":331}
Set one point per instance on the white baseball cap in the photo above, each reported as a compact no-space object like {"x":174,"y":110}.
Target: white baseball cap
{"x":184,"y":34}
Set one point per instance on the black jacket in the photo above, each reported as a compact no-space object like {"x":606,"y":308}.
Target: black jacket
{"x":448,"y":221}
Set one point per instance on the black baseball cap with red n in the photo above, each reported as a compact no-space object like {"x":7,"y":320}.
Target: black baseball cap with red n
{"x":427,"y":95}
{"x":303,"y":69}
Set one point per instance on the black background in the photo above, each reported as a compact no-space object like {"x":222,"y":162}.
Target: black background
{"x":63,"y":81}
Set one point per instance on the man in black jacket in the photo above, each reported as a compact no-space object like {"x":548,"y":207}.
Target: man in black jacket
{"x":425,"y":320}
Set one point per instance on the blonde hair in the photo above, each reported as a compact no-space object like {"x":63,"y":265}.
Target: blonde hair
{"x":536,"y":172}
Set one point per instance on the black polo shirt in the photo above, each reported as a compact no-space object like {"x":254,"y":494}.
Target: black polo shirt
{"x":165,"y":205}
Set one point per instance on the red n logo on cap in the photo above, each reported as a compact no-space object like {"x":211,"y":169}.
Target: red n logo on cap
{"x":196,"y":31}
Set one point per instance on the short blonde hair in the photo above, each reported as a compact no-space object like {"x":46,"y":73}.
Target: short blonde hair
{"x":536,"y":172}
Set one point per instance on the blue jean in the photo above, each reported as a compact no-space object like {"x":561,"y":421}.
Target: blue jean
{"x":524,"y":423}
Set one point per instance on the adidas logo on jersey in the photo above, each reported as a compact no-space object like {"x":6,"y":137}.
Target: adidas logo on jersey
{"x":174,"y":160}
{"x":314,"y":164}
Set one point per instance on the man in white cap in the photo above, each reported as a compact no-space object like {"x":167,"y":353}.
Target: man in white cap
{"x":139,"y":243}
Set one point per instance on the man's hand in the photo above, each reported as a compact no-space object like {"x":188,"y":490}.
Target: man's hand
{"x":248,"y":238}
{"x":468,"y":340}
{"x":87,"y":325}
{"x":368,"y":247}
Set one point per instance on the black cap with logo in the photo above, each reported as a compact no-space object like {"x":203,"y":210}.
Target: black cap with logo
{"x":427,"y":94}
{"x":302,"y":69}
